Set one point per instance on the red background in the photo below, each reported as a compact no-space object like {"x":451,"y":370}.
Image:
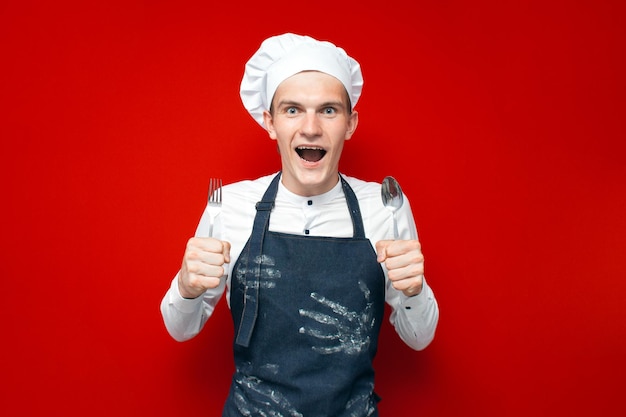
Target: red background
{"x":503,"y":121}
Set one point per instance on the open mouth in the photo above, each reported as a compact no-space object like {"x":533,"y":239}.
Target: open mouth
{"x":310,"y":154}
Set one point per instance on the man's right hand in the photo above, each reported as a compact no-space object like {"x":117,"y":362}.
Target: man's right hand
{"x":203,"y":265}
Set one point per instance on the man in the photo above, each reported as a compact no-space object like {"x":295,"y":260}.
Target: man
{"x":307,"y":256}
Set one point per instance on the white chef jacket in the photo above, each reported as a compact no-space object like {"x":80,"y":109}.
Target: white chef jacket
{"x":414,"y":318}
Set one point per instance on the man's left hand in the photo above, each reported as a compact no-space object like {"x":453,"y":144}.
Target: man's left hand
{"x":405,"y":264}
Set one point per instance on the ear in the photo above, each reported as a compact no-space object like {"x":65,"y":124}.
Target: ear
{"x":269,"y":124}
{"x":352,"y":124}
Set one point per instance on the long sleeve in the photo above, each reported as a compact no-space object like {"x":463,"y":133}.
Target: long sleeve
{"x":414,"y":318}
{"x":183,"y":317}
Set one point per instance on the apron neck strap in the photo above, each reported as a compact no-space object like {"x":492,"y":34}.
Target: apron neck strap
{"x":353,"y":207}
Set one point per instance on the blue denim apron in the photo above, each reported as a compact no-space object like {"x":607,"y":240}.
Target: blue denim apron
{"x":307,"y":313}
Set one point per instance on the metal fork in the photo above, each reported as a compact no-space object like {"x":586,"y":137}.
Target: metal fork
{"x":215,"y":201}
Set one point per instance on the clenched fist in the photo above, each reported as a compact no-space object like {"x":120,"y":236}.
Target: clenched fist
{"x":405,"y":264}
{"x":203,"y":265}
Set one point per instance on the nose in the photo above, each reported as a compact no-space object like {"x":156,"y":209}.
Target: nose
{"x":311,"y":124}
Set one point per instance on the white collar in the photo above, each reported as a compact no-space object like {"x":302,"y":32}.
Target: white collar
{"x":315,"y":200}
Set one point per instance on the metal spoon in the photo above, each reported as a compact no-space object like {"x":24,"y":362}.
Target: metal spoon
{"x":392,"y":197}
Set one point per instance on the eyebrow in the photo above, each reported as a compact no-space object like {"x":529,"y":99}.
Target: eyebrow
{"x":297,"y":103}
{"x":333,"y":104}
{"x":287,"y":103}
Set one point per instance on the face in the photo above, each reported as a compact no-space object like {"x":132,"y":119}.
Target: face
{"x":310,"y":121}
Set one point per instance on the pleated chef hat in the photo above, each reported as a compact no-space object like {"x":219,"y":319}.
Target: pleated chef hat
{"x":282,"y":56}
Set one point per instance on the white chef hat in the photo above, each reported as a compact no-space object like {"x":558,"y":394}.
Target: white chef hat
{"x":282,"y":56}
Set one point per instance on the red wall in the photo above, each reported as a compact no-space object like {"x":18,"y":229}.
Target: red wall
{"x":503,"y":120}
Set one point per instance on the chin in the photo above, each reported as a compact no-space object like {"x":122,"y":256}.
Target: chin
{"x":316,"y":182}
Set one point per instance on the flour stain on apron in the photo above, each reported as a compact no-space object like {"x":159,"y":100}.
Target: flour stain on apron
{"x":267,"y":396}
{"x":268,"y":276}
{"x":348,"y":330}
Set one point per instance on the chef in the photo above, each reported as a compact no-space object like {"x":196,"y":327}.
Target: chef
{"x":306,"y":256}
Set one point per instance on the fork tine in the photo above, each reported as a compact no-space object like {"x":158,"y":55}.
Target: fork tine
{"x":215,"y":190}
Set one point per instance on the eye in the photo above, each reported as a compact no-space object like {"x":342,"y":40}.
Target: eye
{"x":329,"y":111}
{"x":291,"y":110}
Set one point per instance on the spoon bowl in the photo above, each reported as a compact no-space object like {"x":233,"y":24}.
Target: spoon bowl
{"x":393,"y":198}
{"x":391,"y":193}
